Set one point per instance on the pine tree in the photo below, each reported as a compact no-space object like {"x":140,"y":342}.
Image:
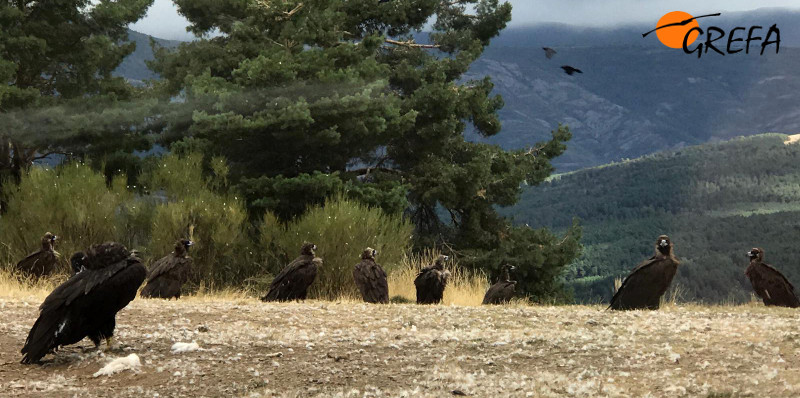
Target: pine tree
{"x":305,"y":97}
{"x":56,"y":62}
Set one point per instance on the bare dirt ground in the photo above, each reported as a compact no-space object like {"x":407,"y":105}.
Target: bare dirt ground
{"x":792,"y":139}
{"x":249,"y":348}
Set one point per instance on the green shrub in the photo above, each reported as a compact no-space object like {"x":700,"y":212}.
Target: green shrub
{"x":223,"y":252}
{"x":71,"y":201}
{"x":341,"y":229}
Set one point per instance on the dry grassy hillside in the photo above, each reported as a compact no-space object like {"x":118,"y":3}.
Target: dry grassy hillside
{"x":346,"y":348}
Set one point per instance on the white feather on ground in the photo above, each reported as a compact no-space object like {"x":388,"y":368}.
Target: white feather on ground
{"x":178,"y":348}
{"x":131,"y":362}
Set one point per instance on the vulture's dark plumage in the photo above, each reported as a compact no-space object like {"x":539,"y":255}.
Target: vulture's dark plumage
{"x":293,"y":281}
{"x":168,"y":274}
{"x":41,"y":262}
{"x":570,"y":70}
{"x":431,"y":281}
{"x":548,"y":52}
{"x":78,"y":262}
{"x":503,"y":290}
{"x":643,"y":288}
{"x":769,"y":283}
{"x":370,"y":278}
{"x":87,"y":303}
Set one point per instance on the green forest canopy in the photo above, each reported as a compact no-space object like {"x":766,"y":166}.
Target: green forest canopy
{"x":716,"y":201}
{"x":304,"y":100}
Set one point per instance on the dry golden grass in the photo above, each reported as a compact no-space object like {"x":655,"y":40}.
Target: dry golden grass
{"x":18,"y":287}
{"x":465,"y":287}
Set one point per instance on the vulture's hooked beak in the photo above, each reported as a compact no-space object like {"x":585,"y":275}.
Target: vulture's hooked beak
{"x":663,"y":243}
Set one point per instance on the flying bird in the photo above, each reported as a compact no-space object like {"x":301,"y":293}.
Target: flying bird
{"x":431,"y":281}
{"x":293,"y":281}
{"x":570,"y":70}
{"x":643,"y":288}
{"x":370,"y":278}
{"x":168,"y":274}
{"x":549,"y":52}
{"x":503,"y":290}
{"x":769,"y":283}
{"x":86,"y":304}
{"x":43,"y":261}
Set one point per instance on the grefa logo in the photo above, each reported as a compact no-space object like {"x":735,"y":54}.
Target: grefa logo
{"x":678,"y":29}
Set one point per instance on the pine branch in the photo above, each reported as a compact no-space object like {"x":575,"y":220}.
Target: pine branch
{"x":365,"y":171}
{"x":411,"y":44}
{"x":293,"y":11}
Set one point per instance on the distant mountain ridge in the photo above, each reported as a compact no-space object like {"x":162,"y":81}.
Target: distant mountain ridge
{"x":635,"y":96}
{"x":134,"y":66}
{"x":716,"y":201}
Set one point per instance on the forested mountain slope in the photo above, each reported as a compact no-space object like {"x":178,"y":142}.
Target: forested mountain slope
{"x":716,"y":201}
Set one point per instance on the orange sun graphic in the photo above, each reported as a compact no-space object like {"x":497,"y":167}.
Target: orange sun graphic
{"x":672,"y":36}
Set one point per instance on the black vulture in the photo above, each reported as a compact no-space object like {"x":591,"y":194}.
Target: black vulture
{"x":769,"y":283}
{"x":78,"y":262}
{"x":570,"y":70}
{"x":548,"y":52}
{"x":503,"y":290}
{"x":643,"y":288}
{"x":87,"y":303}
{"x":41,"y":262}
{"x":431,"y":281}
{"x":293,"y":281}
{"x":168,"y":274}
{"x":370,"y":278}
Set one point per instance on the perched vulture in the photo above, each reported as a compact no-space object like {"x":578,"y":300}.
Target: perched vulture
{"x":168,"y":274}
{"x":431,"y":281}
{"x":370,"y":278}
{"x":548,"y":52}
{"x":503,"y":290}
{"x":643,"y":288}
{"x":293,"y":281}
{"x":41,"y":262}
{"x":87,"y":303}
{"x":570,"y":70}
{"x":78,"y":262}
{"x":769,"y":283}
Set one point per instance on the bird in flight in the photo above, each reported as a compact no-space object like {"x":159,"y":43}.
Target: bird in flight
{"x":570,"y":70}
{"x":681,"y":23}
{"x":548,"y":52}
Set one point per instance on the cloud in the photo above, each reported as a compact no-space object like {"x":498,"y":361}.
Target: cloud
{"x":618,"y":12}
{"x":163,"y":20}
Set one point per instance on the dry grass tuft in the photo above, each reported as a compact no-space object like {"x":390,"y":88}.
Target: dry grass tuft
{"x":466,"y":287}
{"x":15,"y":286}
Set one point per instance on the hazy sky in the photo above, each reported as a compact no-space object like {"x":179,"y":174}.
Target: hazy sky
{"x":163,"y":20}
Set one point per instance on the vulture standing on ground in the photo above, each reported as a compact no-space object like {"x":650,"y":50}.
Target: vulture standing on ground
{"x":293,"y":281}
{"x":370,"y":278}
{"x":548,"y":52}
{"x":87,"y":303}
{"x":570,"y":70}
{"x":41,"y":262}
{"x":78,"y":262}
{"x":503,"y":290}
{"x":643,"y":288}
{"x":168,"y":274}
{"x":431,"y":281}
{"x":769,"y":283}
